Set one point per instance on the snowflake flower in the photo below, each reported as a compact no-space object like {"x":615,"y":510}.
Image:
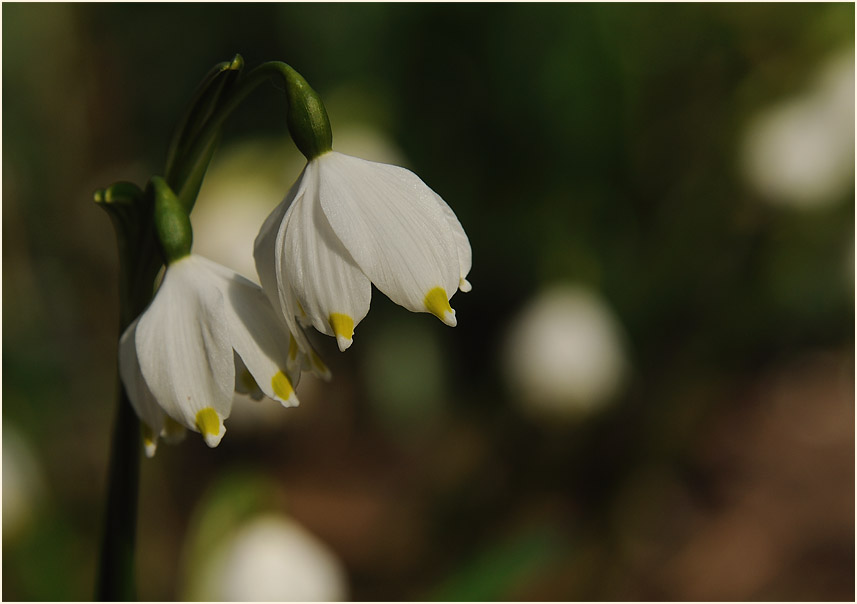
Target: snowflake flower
{"x":207,"y":332}
{"x":348,"y":223}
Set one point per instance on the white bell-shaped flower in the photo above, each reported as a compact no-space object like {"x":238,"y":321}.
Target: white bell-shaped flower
{"x":348,"y":223}
{"x":207,"y":332}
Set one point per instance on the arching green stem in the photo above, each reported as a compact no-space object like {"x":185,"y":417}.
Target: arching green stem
{"x":306,"y":118}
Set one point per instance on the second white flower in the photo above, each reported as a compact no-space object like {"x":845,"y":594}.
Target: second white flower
{"x":348,"y":223}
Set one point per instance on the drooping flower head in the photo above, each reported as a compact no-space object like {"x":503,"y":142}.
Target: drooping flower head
{"x":348,"y":223}
{"x":207,"y":332}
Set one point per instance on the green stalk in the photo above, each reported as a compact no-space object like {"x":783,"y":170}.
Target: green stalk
{"x":116,"y":568}
{"x":116,"y":580}
{"x":306,"y":117}
{"x":132,"y":213}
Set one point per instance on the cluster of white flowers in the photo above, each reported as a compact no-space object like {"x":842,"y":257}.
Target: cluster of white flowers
{"x":345,"y":224}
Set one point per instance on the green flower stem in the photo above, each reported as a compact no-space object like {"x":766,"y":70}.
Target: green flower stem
{"x":130,"y":210}
{"x":116,"y":580}
{"x":133,"y":214}
{"x":306,"y":117}
{"x":206,"y":98}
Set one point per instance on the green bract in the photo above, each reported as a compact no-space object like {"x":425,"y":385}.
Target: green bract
{"x":306,"y":117}
{"x":172,"y":222}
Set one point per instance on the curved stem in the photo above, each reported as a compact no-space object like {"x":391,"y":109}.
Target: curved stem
{"x":186,"y":178}
{"x":189,"y":174}
{"x":242,"y":89}
{"x":200,"y":107}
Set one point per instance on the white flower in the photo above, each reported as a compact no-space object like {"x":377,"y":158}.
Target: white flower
{"x":23,"y":484}
{"x":348,"y":223}
{"x":565,"y":354}
{"x":800,"y":152}
{"x":268,"y":558}
{"x":208,"y":332}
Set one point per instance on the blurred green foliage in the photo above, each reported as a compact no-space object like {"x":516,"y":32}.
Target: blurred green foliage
{"x":598,"y":144}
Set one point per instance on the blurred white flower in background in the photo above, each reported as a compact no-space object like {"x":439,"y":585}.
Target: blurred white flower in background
{"x":23,"y":484}
{"x":245,"y":181}
{"x":565,"y":354}
{"x":266,"y":559}
{"x":801,"y":152}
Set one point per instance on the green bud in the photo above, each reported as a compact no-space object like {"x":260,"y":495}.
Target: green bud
{"x":306,"y":117}
{"x":172,"y":222}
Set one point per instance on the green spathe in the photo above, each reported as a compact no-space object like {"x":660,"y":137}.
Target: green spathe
{"x":306,"y":116}
{"x":172,"y":222}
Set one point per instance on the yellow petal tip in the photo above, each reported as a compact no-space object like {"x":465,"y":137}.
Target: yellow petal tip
{"x":437,"y":303}
{"x":209,"y":424}
{"x":343,"y":328}
{"x":283,"y":389}
{"x":150,"y":441}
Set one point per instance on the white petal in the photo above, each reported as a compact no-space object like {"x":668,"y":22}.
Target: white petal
{"x":393,"y":227}
{"x":257,"y":335}
{"x":302,"y":354}
{"x":267,"y":252}
{"x":265,"y":246}
{"x":332,"y":291}
{"x":150,"y":413}
{"x":308,"y":357}
{"x":182,"y":342}
{"x":462,"y":244}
